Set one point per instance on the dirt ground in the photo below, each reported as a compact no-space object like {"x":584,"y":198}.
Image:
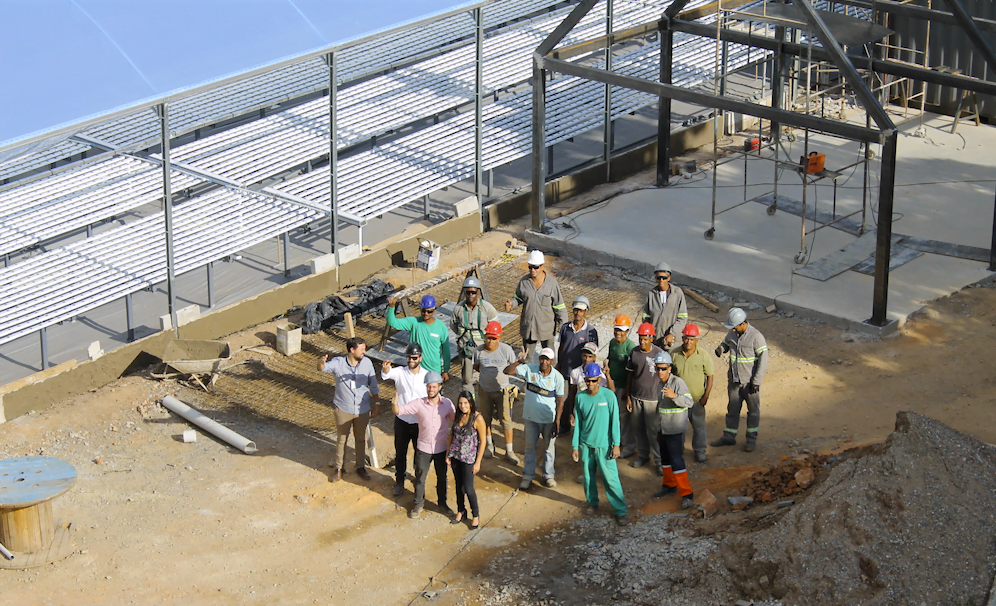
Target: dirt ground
{"x":156,"y":520}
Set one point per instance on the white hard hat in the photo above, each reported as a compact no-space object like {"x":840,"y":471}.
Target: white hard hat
{"x":536,"y":258}
{"x":736,"y":317}
{"x":471,"y":282}
{"x":662,"y":266}
{"x":581,"y":303}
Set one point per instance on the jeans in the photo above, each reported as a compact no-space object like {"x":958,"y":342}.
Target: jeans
{"x":423,"y":461}
{"x":463,"y":476}
{"x":404,"y":434}
{"x":534,"y":431}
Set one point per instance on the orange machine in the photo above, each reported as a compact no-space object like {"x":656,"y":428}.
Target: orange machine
{"x":812,"y":164}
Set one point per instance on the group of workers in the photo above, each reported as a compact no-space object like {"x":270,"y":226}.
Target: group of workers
{"x":638,"y":403}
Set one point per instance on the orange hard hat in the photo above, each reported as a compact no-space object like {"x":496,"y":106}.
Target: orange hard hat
{"x":493,"y":329}
{"x":623,"y":322}
{"x":646,"y":329}
{"x":691,"y":330}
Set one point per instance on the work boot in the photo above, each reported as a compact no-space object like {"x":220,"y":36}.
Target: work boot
{"x":415,"y":512}
{"x":398,"y":489}
{"x":728,"y":439}
{"x":750,"y":446}
{"x":687,"y":501}
{"x":700,"y":457}
{"x":622,"y":520}
{"x":363,"y":473}
{"x":638,"y":462}
{"x":511,"y":458}
{"x":489,"y":449}
{"x":665,"y":491}
{"x":336,"y":475}
{"x":550,"y":482}
{"x":525,"y":484}
{"x":590,"y":511}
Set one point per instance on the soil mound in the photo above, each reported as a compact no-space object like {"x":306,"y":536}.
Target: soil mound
{"x":910,"y":522}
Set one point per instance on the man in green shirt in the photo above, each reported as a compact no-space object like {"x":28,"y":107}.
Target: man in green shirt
{"x":619,"y":350}
{"x":596,"y":443}
{"x":695,"y":367}
{"x":431,"y":334}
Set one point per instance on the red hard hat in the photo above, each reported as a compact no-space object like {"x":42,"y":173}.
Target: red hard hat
{"x":691,"y":330}
{"x":493,"y":329}
{"x":646,"y":329}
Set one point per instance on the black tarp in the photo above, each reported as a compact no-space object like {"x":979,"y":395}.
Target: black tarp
{"x":367,"y":299}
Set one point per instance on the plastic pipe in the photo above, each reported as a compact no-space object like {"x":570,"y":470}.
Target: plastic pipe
{"x":213,"y":427}
{"x":5,"y":553}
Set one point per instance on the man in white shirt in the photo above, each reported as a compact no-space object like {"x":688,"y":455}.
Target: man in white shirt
{"x":409,"y":383}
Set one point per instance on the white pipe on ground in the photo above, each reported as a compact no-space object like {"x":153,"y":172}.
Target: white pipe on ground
{"x":213,"y":427}
{"x":5,"y":553}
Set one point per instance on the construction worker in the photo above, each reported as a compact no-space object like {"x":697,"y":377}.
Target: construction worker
{"x":596,"y":442}
{"x":675,"y":400}
{"x":541,"y":413}
{"x":574,"y":336}
{"x":470,"y":316}
{"x":542,"y":305}
{"x":409,"y":384}
{"x":431,"y":334}
{"x":695,"y":369}
{"x":619,"y":350}
{"x":435,"y":414}
{"x":356,"y":392}
{"x":495,"y":394}
{"x":665,"y":307}
{"x":748,"y":360}
{"x":642,"y":392}
{"x":576,"y":377}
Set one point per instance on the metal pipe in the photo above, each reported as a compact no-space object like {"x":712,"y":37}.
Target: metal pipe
{"x":992,"y":244}
{"x":43,"y":339}
{"x":163,"y":111}
{"x":210,"y":284}
{"x":209,"y":425}
{"x":607,"y":98}
{"x":331,"y":60}
{"x":666,"y":35}
{"x":130,"y":317}
{"x":286,"y":254}
{"x":7,"y":554}
{"x":479,"y":110}
{"x":883,"y":248}
{"x":538,"y":209}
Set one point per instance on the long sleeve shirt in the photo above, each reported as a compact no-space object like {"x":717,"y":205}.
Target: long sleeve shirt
{"x":354,"y":385}
{"x":674,"y":411}
{"x":748,"y":356}
{"x":540,"y":307}
{"x":597,"y":419}
{"x":433,"y":422}
{"x":434,"y":339}
{"x":571,"y":342}
{"x":668,"y":317}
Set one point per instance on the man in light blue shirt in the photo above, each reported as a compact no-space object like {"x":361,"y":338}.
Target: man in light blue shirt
{"x":355,"y":390}
{"x":541,"y":411}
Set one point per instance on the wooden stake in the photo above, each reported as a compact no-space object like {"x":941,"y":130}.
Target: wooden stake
{"x":350,"y":329}
{"x":702,"y":300}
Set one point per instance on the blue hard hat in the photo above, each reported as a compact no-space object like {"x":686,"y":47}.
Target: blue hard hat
{"x":592,"y":370}
{"x":433,"y":377}
{"x":663,"y":358}
{"x":428,"y":302}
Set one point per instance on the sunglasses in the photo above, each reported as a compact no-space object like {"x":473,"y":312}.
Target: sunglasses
{"x":490,"y":338}
{"x":428,"y":311}
{"x":667,"y":277}
{"x":663,"y":368}
{"x":591,"y":380}
{"x":535,"y":266}
{"x":414,"y":357}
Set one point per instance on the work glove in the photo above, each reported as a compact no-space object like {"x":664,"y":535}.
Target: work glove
{"x":719,"y":351}
{"x":753,"y":388}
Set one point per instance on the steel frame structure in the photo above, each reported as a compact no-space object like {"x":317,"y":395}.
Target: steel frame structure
{"x":673,"y":19}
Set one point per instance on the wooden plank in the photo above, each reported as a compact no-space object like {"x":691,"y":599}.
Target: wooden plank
{"x":899,"y":255}
{"x":702,"y":300}
{"x":350,"y":329}
{"x":960,"y":251}
{"x":842,"y":259}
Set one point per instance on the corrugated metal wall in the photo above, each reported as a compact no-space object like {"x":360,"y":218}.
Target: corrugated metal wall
{"x":949,"y":46}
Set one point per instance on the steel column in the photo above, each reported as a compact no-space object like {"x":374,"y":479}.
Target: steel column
{"x":538,"y":206}
{"x":883,"y":248}
{"x":992,"y":244}
{"x":163,"y":111}
{"x":286,"y":254}
{"x":664,"y":105}
{"x":479,"y":110}
{"x":332,"y":62}
{"x":607,"y":115}
{"x":129,"y":318}
{"x":210,"y":284}
{"x":43,"y":342}
{"x":425,"y":206}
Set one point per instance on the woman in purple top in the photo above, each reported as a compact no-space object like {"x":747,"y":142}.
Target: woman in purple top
{"x":464,"y":453}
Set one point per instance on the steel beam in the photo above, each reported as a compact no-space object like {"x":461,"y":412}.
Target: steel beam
{"x":210,"y":284}
{"x":883,"y":248}
{"x":129,"y":318}
{"x":841,"y":129}
{"x":479,"y":110}
{"x":992,"y":244}
{"x":582,"y":9}
{"x":893,"y":68}
{"x":968,"y":24}
{"x":332,"y":61}
{"x":607,"y":99}
{"x":664,"y":105}
{"x":843,"y":63}
{"x":917,"y":12}
{"x":163,"y":111}
{"x":43,"y":343}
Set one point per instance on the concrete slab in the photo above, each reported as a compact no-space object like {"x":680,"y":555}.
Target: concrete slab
{"x":944,"y":192}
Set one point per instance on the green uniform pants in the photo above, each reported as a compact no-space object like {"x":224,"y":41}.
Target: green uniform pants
{"x":597,"y":460}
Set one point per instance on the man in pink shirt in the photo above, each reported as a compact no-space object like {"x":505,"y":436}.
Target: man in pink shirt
{"x":435,"y":414}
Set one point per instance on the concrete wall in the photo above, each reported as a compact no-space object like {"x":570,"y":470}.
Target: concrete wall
{"x":70,"y":379}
